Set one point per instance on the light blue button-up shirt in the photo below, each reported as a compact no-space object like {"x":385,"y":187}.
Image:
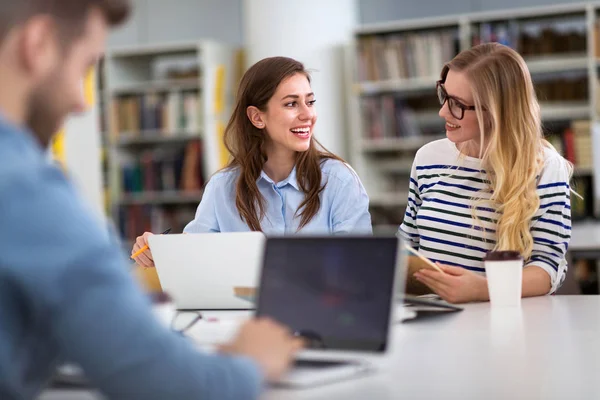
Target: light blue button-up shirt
{"x":344,"y":204}
{"x":67,"y":293}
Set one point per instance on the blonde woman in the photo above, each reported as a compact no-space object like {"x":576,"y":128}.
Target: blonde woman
{"x":493,"y":183}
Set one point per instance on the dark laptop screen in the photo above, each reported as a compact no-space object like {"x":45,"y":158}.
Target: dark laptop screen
{"x":335,"y":291}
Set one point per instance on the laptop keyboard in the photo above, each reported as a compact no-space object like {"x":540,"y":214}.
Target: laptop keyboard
{"x":316,"y":364}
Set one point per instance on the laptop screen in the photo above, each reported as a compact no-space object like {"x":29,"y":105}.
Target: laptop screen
{"x":334,"y":291}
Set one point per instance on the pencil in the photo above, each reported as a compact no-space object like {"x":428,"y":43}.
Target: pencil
{"x":143,"y":249}
{"x":422,"y":257}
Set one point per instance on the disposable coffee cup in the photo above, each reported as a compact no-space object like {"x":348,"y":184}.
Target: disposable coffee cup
{"x":504,"y":272}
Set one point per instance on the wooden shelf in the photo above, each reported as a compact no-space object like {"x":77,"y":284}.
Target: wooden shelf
{"x":165,"y":69}
{"x":375,"y":44}
{"x":536,"y":65}
{"x":146,"y":138}
{"x":385,"y":229}
{"x":557,"y":63}
{"x":455,"y":20}
{"x":154,"y":50}
{"x":416,"y":23}
{"x":161,"y":198}
{"x":156,"y":86}
{"x":395,"y":166}
{"x":565,"y":111}
{"x":398,"y":144}
{"x":429,"y":118}
{"x":389,"y":199}
{"x":397,"y":86}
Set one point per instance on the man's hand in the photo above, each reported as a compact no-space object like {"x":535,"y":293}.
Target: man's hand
{"x":269,"y":344}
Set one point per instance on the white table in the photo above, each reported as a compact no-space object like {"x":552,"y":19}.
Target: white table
{"x":548,"y":349}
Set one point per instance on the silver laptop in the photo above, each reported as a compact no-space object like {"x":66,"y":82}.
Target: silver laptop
{"x":200,"y":270}
{"x":337,"y":293}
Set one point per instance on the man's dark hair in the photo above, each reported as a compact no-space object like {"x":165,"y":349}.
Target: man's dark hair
{"x":69,"y":14}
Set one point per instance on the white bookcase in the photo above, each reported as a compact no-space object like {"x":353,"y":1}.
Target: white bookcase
{"x":157,"y":100}
{"x":402,"y":61}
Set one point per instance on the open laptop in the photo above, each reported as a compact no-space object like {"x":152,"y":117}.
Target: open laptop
{"x":200,"y":270}
{"x":336,"y":292}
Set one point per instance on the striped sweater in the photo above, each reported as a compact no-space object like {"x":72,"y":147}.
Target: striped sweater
{"x":439,"y":217}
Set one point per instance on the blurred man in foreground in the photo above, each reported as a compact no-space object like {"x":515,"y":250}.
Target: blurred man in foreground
{"x":65,"y":291}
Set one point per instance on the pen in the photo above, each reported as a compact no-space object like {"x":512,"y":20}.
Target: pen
{"x":143,"y":249}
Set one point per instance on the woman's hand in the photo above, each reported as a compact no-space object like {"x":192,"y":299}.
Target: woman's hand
{"x":145,"y":259}
{"x":457,"y":285}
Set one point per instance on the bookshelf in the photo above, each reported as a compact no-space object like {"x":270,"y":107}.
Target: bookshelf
{"x":393,"y":109}
{"x":165,"y":108}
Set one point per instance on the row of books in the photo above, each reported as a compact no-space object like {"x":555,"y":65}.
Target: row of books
{"x":174,"y":112}
{"x":134,"y":220}
{"x":536,"y":38}
{"x":390,"y":116}
{"x":575,"y":143}
{"x":164,"y":169}
{"x":175,"y":67}
{"x":403,"y":56}
{"x":562,"y":89}
{"x":504,"y":33}
{"x":415,"y":55}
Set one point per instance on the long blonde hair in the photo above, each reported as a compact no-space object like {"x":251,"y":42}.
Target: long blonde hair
{"x":511,"y":137}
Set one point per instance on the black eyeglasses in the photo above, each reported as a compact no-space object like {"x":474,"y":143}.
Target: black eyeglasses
{"x":457,"y":109}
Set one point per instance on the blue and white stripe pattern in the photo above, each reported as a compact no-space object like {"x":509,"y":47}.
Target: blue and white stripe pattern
{"x":439,"y":217}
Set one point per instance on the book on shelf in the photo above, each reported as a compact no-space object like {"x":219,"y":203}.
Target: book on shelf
{"x":405,"y":56}
{"x":164,"y":169}
{"x":134,"y":220}
{"x":562,"y":89}
{"x":506,"y":33}
{"x":536,"y":37}
{"x":176,"y":67}
{"x":390,"y":116}
{"x":575,"y":143}
{"x":582,"y":143}
{"x":168,"y":113}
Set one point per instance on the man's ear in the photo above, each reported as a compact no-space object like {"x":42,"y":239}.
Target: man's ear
{"x":255,"y":116}
{"x":38,"y":47}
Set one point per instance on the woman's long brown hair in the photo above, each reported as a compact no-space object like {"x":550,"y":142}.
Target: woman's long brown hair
{"x":246,"y":144}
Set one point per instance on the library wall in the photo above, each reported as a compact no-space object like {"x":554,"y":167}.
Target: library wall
{"x":157,"y":21}
{"x":190,"y":19}
{"x":371,"y":11}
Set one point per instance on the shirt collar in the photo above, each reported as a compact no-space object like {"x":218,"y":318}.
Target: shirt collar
{"x":21,"y":133}
{"x":290,"y":180}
